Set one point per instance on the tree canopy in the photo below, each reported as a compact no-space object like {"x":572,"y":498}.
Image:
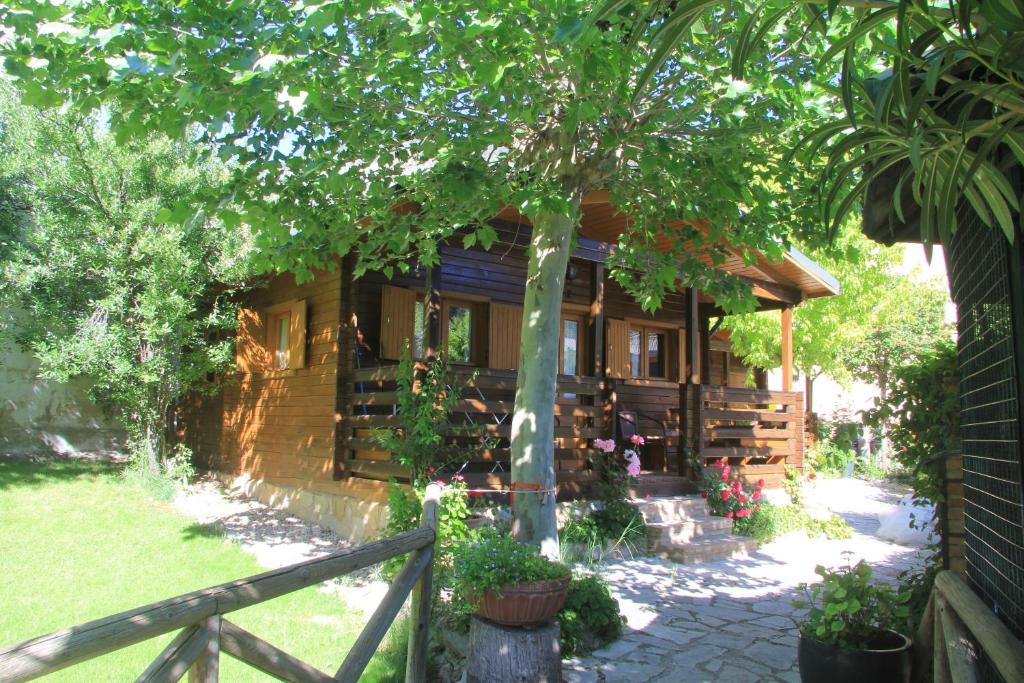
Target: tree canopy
{"x":101,"y":283}
{"x":383,"y":128}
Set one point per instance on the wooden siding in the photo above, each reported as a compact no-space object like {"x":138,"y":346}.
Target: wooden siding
{"x":506,"y":324}
{"x":276,"y":425}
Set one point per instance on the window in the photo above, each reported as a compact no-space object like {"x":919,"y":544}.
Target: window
{"x":279,"y":326}
{"x":648,"y":352}
{"x":283,"y":345}
{"x":571,"y":346}
{"x":458,"y":319}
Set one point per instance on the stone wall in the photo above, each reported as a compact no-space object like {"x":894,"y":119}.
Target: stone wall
{"x":43,"y":417}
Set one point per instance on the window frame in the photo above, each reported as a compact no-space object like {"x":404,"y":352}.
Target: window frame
{"x":274,"y":346}
{"x":581,"y":321}
{"x":470,"y":305}
{"x":646,"y":329}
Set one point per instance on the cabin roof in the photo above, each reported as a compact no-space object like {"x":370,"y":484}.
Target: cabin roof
{"x":795,"y":277}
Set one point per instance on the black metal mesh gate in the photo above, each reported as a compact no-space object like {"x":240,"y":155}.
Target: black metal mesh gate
{"x":982,"y":267}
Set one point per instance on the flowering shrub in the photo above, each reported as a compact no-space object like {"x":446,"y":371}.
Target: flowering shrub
{"x":728,"y":497}
{"x":618,"y":520}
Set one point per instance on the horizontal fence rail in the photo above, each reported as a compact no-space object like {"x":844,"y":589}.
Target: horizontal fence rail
{"x":483,"y":413}
{"x":204,"y":633}
{"x":756,"y":429}
{"x":960,"y":639}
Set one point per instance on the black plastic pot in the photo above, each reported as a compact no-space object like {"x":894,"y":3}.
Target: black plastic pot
{"x":889,"y":661}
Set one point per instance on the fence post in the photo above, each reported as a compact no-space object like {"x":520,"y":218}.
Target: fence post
{"x":206,"y":669}
{"x":419,"y":621}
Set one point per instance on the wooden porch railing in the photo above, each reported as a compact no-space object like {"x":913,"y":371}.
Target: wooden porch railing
{"x":205,"y":633}
{"x":485,"y":411}
{"x":959,"y":633}
{"x":751,"y":427}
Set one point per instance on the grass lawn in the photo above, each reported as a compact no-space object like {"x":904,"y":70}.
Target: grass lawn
{"x":78,"y":542}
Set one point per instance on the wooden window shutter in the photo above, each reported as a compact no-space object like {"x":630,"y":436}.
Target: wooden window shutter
{"x":506,"y":324}
{"x":251,"y":353}
{"x":617,"y":357}
{"x":397,"y":320}
{"x":297,"y":335}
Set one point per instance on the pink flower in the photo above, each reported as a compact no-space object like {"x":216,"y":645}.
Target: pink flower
{"x":724,"y":494}
{"x":737,"y":486}
{"x":721,"y":463}
{"x":760,"y":483}
{"x":647,"y":495}
{"x":633,"y":469}
{"x":606,"y":445}
{"x":637,"y":440}
{"x":431,"y":470}
{"x":728,"y":515}
{"x":439,"y":482}
{"x":743,"y":497}
{"x":459,"y":477}
{"x":756,"y":496}
{"x":743,"y":513}
{"x":725,"y":474}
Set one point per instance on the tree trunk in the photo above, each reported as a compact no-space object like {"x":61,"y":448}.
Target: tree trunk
{"x":507,"y":654}
{"x":533,"y":455}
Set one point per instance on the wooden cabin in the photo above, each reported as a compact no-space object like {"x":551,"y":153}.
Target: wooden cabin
{"x":317,"y":365}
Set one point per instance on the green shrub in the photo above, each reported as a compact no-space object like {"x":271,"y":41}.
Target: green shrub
{"x":793,"y":485}
{"x":829,"y":458}
{"x":590,"y":618}
{"x":772,"y":521}
{"x":847,"y":610}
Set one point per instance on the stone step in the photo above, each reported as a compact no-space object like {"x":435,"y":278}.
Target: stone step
{"x":716,"y":546}
{"x":671,"y":508}
{"x":665,"y":534}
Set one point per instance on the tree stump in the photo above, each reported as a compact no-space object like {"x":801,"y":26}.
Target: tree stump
{"x":508,"y":654}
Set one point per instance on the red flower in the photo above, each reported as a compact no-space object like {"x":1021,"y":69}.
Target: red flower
{"x":728,"y":515}
{"x":725,"y":494}
{"x":743,"y":513}
{"x":721,"y":463}
{"x":756,"y":508}
{"x":725,"y":474}
{"x":703,"y":494}
{"x":743,"y":498}
{"x":760,"y":483}
{"x":430,"y":470}
{"x":757,"y":495}
{"x":475,"y":494}
{"x":737,"y":486}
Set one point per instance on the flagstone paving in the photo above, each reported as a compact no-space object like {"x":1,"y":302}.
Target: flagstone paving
{"x":732,"y":620}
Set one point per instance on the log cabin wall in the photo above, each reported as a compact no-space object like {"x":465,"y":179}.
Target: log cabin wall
{"x":276,"y":425}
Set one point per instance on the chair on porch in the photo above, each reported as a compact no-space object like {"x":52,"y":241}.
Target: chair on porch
{"x":654,"y":453}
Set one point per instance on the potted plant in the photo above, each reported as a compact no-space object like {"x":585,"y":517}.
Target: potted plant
{"x":848,"y":634}
{"x":508,"y":582}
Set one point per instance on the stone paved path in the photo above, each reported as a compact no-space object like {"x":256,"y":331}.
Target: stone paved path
{"x":732,"y":620}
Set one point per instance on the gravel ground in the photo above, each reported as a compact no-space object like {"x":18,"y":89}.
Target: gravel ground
{"x":275,"y":537}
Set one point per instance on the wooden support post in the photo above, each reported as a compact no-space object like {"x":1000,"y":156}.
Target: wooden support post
{"x":432,"y":312}
{"x":693,"y":336}
{"x":787,"y":349}
{"x":596,"y":320}
{"x":347,"y":324}
{"x":705,"y":350}
{"x":422,"y":594}
{"x":206,"y":668}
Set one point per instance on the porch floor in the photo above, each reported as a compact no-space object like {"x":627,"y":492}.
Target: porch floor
{"x":731,"y":620}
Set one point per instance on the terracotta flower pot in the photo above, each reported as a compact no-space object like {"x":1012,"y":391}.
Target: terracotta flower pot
{"x":524,"y":604}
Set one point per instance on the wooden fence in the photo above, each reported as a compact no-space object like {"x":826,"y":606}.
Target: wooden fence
{"x":759,"y":431}
{"x":961,"y":640}
{"x":485,"y":411}
{"x":205,"y":633}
